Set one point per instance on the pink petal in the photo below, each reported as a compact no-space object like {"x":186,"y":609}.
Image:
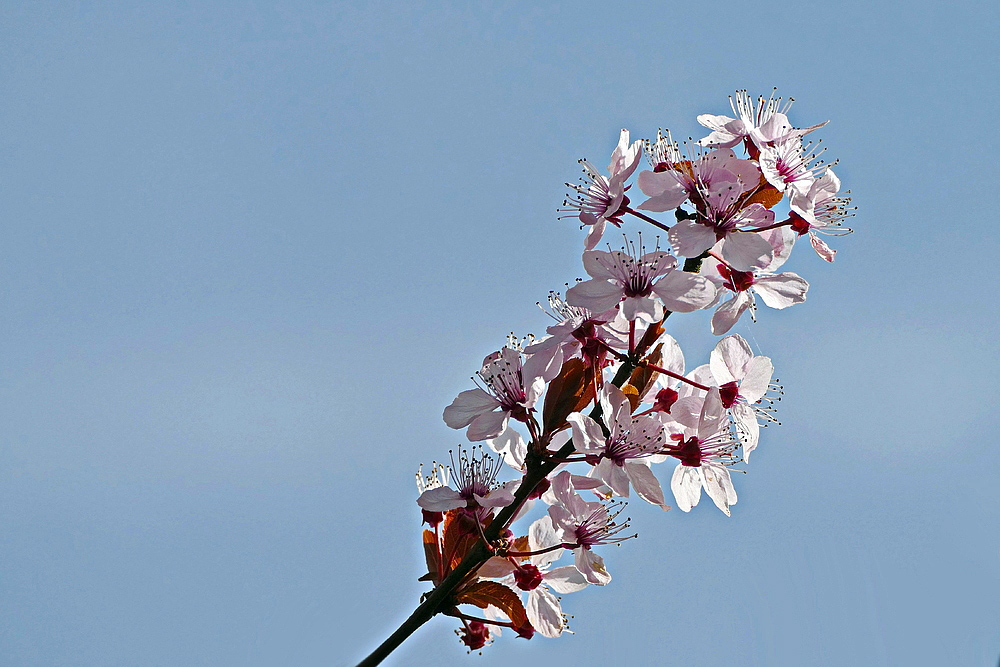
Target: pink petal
{"x":467,"y":406}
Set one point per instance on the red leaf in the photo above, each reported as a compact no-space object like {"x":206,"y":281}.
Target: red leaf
{"x":486,"y":593}
{"x":570,"y":391}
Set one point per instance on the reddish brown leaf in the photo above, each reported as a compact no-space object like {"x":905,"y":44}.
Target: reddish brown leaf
{"x":766,"y":195}
{"x":460,"y":534}
{"x":486,"y":593}
{"x":432,"y":555}
{"x":570,"y":391}
{"x":642,"y":378}
{"x":652,"y":334}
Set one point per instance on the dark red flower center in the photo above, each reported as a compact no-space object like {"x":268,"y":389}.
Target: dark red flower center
{"x":665,"y":399}
{"x":688,"y":451}
{"x":729,"y":392}
{"x":738,"y":281}
{"x":474,"y":635}
{"x":799,"y":224}
{"x":527,"y":577}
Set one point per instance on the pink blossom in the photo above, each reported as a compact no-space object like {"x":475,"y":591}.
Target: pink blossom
{"x":601,"y":199}
{"x":507,"y":393}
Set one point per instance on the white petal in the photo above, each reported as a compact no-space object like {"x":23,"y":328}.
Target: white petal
{"x":487,"y":426}
{"x":729,"y":359}
{"x":782,"y":290}
{"x":713,"y":415}
{"x":719,"y":487}
{"x":467,"y":406}
{"x":595,"y":263}
{"x":441,"y":499}
{"x":542,"y":535}
{"x":587,"y":434}
{"x":746,"y":251}
{"x":591,"y":566}
{"x":545,"y":612}
{"x":495,"y":568}
{"x":747,"y":427}
{"x":595,"y":233}
{"x":821,"y":248}
{"x":686,"y":486}
{"x":643,"y":308}
{"x":729,"y":313}
{"x":597,"y":295}
{"x":645,"y":483}
{"x":757,"y":378}
{"x":684,"y":292}
{"x":690,"y":238}
{"x":565,"y":579}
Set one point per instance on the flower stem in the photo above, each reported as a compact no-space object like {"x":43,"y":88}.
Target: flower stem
{"x":643,"y":216}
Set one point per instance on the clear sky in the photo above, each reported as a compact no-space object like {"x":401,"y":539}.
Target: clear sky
{"x":249,"y":251}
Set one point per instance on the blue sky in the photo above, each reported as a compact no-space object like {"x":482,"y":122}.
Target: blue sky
{"x":250,"y":251}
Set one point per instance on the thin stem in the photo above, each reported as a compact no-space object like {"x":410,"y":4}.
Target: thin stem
{"x":643,"y":216}
{"x":455,"y":613}
{"x":783,"y":223}
{"x":676,"y":376}
{"x":525,"y":554}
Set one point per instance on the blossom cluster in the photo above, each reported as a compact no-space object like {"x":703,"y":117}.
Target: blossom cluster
{"x":583,"y":417}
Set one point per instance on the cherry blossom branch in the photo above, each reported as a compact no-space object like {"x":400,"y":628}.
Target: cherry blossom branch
{"x":538,"y":466}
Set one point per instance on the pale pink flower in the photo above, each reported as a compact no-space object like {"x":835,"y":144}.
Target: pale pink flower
{"x":633,"y":279}
{"x":778,"y":291}
{"x":579,"y":332}
{"x":476,"y":480}
{"x":621,"y":458}
{"x":788,"y":165}
{"x":544,"y":608}
{"x":601,"y":199}
{"x":821,"y":211}
{"x":763,"y":122}
{"x":506,"y":393}
{"x":705,"y":451}
{"x":586,"y":525}
{"x":744,"y":381}
{"x":723,"y":216}
{"x":675,"y":178}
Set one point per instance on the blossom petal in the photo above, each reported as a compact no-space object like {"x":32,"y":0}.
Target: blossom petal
{"x":821,"y":248}
{"x":542,"y":535}
{"x":664,"y":190}
{"x":690,"y":238}
{"x":467,"y":406}
{"x":545,"y":612}
{"x":645,"y":483}
{"x":729,"y":313}
{"x":757,"y":378}
{"x":684,"y":292}
{"x":598,"y":295}
{"x":782,"y":290}
{"x":487,"y":426}
{"x":441,"y":499}
{"x":565,"y":579}
{"x":719,"y":487}
{"x":495,"y":568}
{"x":746,"y":251}
{"x":686,"y":486}
{"x":591,"y":566}
{"x":729,"y":359}
{"x":747,"y":428}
